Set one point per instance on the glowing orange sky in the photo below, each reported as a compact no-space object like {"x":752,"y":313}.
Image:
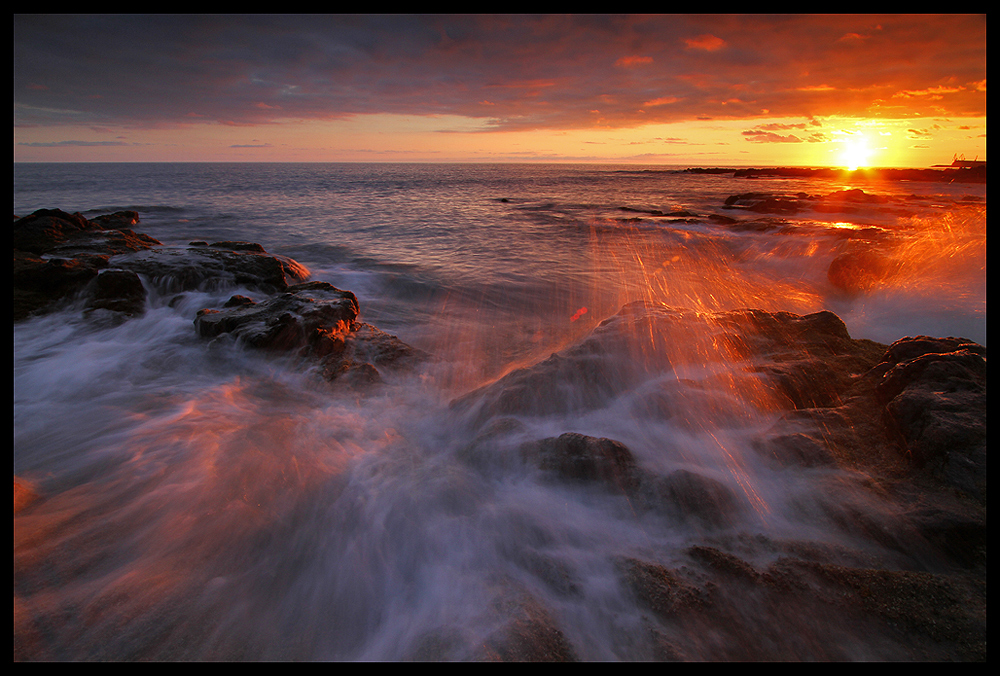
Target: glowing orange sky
{"x":717,"y":90}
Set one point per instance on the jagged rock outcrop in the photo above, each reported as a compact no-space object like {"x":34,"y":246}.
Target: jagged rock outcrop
{"x":578,"y":457}
{"x":907,"y":422}
{"x":934,"y":396}
{"x":803,"y":360}
{"x":60,"y":256}
{"x":57,"y":256}
{"x":315,"y":320}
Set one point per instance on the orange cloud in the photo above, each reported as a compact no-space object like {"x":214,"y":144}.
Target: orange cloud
{"x":708,"y":42}
{"x":662,"y":101}
{"x":627,"y":61}
{"x":930,"y":91}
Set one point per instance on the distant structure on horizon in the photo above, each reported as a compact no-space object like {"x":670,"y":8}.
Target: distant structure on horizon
{"x":959,"y":161}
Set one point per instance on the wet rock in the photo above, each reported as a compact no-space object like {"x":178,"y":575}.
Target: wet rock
{"x":315,"y":320}
{"x":850,"y":196}
{"x":215,"y":266}
{"x":803,"y":360}
{"x":58,"y":254}
{"x":578,"y":457}
{"x":935,"y":616}
{"x":934,"y":397}
{"x":40,"y":283}
{"x":658,"y":588}
{"x":528,"y":633}
{"x":806,"y":383}
{"x":694,"y":498}
{"x":953,"y":527}
{"x":307,"y":316}
{"x":120,"y":220}
{"x":859,"y":271}
{"x":120,"y":291}
{"x":796,"y":449}
{"x":45,"y":229}
{"x":727,"y":564}
{"x":55,"y":233}
{"x":237,"y":245}
{"x":764,"y":203}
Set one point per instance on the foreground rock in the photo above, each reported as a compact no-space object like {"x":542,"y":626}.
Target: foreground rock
{"x":892,"y":438}
{"x":805,"y":360}
{"x":58,"y":256}
{"x":61,"y":258}
{"x":314,"y":320}
{"x":933,"y":397}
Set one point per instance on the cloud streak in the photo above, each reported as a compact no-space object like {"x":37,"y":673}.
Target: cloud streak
{"x":508,"y":73}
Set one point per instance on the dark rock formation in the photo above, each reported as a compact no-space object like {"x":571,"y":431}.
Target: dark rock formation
{"x":216,"y":265}
{"x":906,"y":422}
{"x":46,"y":229}
{"x":120,"y":291}
{"x":694,"y":499}
{"x":57,"y":234}
{"x":60,"y":257}
{"x":860,"y":270}
{"x":309,"y":315}
{"x":529,"y":634}
{"x":578,"y":457}
{"x":934,"y":395}
{"x":806,"y":360}
{"x":315,"y":320}
{"x":841,"y":201}
{"x":57,"y":254}
{"x":764,"y":203}
{"x":722,"y":607}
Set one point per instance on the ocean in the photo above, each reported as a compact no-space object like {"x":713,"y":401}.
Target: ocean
{"x":209,"y":502}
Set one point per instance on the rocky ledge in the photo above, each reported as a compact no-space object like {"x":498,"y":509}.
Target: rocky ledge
{"x":103,"y":264}
{"x":892,"y":438}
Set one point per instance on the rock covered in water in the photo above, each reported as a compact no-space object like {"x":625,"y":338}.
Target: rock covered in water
{"x":840,"y":201}
{"x":802,"y":360}
{"x":57,"y":255}
{"x":934,"y":395}
{"x":909,"y":414}
{"x":119,"y":291}
{"x":217,"y":265}
{"x":732,"y":608}
{"x":313,"y":319}
{"x":60,"y":256}
{"x":858,"y":270}
{"x":578,"y":457}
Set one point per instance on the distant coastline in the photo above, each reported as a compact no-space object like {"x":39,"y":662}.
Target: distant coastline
{"x":976,"y":174}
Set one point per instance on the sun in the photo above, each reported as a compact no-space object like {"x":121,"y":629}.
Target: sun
{"x":856,"y":153}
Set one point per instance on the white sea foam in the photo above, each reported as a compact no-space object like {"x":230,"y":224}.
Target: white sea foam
{"x":207,"y":502}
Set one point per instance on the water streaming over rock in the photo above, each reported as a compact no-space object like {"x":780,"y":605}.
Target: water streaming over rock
{"x":601,"y":454}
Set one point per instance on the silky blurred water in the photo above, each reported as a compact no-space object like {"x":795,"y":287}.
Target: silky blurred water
{"x":206,"y":502}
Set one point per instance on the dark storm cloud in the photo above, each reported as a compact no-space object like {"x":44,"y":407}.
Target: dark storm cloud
{"x":509,"y":71}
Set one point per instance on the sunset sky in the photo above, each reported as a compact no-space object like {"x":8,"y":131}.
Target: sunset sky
{"x":715,"y":90}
